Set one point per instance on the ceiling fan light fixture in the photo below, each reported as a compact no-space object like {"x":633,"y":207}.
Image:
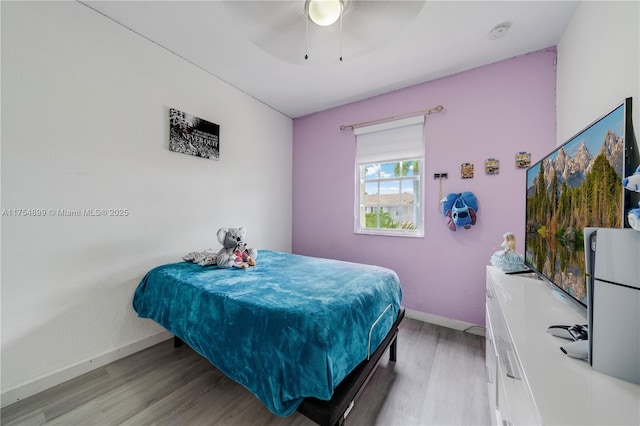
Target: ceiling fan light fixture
{"x":324,"y":12}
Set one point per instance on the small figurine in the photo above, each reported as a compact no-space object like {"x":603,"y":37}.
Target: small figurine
{"x":508,"y":259}
{"x":243,"y":257}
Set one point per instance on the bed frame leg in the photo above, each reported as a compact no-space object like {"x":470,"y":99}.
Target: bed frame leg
{"x":177,"y":342}
{"x":393,"y":349}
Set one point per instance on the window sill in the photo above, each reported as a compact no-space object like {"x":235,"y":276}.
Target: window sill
{"x":390,"y":233}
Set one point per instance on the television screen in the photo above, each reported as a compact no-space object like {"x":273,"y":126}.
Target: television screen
{"x":578,"y":185}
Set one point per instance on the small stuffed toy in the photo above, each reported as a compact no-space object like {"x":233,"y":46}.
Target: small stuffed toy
{"x":243,"y":257}
{"x":231,"y":239}
{"x":632,"y":183}
{"x":634,"y":218}
{"x":460,"y":210}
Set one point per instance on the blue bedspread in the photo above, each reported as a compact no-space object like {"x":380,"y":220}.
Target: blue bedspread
{"x":291,"y":327}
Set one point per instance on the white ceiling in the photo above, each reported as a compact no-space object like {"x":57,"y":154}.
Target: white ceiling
{"x":259,"y":46}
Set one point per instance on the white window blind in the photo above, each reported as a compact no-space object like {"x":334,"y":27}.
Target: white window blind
{"x":397,"y":140}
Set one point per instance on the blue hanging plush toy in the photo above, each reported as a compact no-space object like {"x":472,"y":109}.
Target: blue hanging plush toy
{"x":634,"y":218}
{"x":632,"y":183}
{"x":460,"y":210}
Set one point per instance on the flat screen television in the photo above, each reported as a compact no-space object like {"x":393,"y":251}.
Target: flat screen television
{"x":578,"y":185}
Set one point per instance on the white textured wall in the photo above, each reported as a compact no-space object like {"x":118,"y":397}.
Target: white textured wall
{"x":84,"y":125}
{"x":598,"y":64}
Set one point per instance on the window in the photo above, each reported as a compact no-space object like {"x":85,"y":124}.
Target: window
{"x":389,"y":175}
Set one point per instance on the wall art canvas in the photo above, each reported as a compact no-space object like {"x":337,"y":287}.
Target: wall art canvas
{"x":523,"y":160}
{"x":492,"y":166}
{"x":466,"y":171}
{"x":193,"y":136}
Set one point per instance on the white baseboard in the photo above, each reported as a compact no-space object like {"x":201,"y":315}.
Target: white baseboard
{"x":446,"y":322}
{"x":50,"y":380}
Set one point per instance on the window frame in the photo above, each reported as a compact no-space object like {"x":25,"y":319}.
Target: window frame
{"x":361,"y":208}
{"x":385,"y":143}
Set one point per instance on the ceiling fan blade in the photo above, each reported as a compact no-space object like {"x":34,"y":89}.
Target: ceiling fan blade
{"x":281,"y":28}
{"x":369,"y":24}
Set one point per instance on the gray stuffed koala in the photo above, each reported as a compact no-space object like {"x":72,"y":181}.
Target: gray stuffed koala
{"x":234,"y":251}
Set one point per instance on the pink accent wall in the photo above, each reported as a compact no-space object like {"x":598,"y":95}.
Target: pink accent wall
{"x":493,"y":111}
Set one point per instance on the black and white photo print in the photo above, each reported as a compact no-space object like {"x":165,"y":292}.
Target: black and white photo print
{"x":193,"y":136}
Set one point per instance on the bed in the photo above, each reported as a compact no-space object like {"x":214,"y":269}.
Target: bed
{"x":299,"y":332}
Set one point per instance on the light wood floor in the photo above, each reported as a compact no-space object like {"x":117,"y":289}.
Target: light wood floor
{"x":438,"y":379}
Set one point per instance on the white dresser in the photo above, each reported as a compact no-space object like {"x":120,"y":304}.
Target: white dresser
{"x":530,"y":380}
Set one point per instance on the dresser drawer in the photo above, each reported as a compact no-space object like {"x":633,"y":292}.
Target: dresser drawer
{"x":491,"y":367}
{"x":509,"y":394}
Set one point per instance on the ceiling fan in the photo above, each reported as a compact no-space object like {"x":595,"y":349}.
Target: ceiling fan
{"x":285,"y":30}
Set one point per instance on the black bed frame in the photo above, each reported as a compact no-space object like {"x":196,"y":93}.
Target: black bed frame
{"x":334,"y":411}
